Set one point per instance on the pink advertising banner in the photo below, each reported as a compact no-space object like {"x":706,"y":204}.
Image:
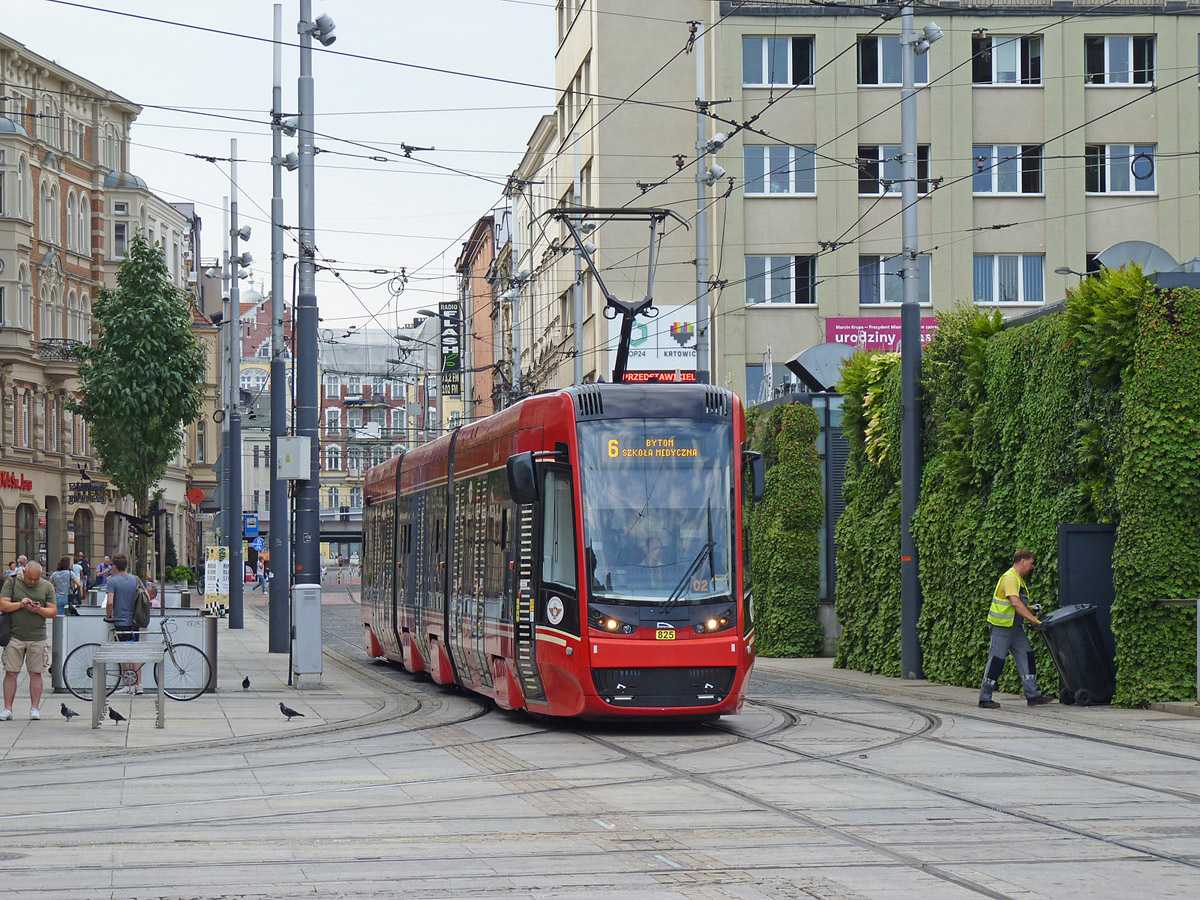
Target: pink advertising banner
{"x":873,"y":332}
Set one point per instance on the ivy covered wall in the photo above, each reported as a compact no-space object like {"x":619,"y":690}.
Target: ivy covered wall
{"x":782,"y":539}
{"x":1088,"y":415}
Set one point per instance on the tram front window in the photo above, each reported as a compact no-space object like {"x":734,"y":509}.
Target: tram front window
{"x":656,"y":499}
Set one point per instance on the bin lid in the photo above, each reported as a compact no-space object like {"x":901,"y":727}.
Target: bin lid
{"x":1067,"y":613}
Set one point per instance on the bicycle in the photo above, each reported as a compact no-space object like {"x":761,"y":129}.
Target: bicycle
{"x":186,"y":676}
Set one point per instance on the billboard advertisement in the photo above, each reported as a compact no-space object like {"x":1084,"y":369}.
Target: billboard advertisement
{"x":873,"y":332}
{"x":659,"y":346}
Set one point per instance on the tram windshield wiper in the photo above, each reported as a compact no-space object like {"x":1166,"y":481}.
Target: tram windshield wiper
{"x":706,"y":550}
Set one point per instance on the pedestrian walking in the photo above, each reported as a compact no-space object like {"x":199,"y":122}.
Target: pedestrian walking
{"x":122,"y":590}
{"x":63,"y":579}
{"x":85,"y":569}
{"x":1010,"y":600}
{"x":22,"y":562}
{"x":103,"y":571}
{"x":30,"y":600}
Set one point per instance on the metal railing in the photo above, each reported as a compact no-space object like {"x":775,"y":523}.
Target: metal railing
{"x":57,"y":348}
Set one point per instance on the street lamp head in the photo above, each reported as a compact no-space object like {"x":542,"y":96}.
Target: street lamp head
{"x":243,"y":233}
{"x":289,"y":125}
{"x":713,"y":175}
{"x":291,"y":162}
{"x":931,"y":34}
{"x":428,"y":312}
{"x":245,"y":259}
{"x":212,"y":272}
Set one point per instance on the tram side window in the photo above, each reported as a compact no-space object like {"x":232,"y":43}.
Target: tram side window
{"x":558,"y":531}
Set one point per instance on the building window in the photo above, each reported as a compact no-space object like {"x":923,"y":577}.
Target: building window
{"x":1010,"y":278}
{"x":354,"y":460}
{"x":1006,"y":59}
{"x":120,"y":209}
{"x":335,"y":498}
{"x":85,"y":226}
{"x":770,"y":61}
{"x":27,"y":531}
{"x":256,"y":457}
{"x":879,"y":62}
{"x":781,"y":279}
{"x":355,"y":498}
{"x":397,"y":421}
{"x":201,"y":442}
{"x":333,"y":458}
{"x":24,"y":189}
{"x":72,"y":229}
{"x":880,"y":281}
{"x":354,"y":388}
{"x":333,"y":421}
{"x":120,"y":239}
{"x":26,"y":419}
{"x":333,"y":386}
{"x":377,"y":387}
{"x":1119,"y":168}
{"x":1119,"y":59}
{"x":255,"y":501}
{"x":354,"y":419}
{"x":1008,"y":169}
{"x":780,"y":170}
{"x":880,"y":169}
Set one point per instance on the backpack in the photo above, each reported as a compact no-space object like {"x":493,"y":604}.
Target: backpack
{"x":141,"y":607}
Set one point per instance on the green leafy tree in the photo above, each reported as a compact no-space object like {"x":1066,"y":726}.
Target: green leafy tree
{"x":141,"y":383}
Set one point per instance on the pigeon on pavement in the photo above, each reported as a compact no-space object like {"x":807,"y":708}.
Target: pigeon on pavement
{"x":115,"y":716}
{"x":246,"y":683}
{"x":289,"y":712}
{"x":68,"y":713}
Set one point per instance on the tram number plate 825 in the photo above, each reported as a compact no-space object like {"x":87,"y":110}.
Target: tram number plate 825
{"x":664,"y":634}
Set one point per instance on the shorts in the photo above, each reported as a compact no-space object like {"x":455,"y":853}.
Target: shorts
{"x":34,"y":654}
{"x":126,"y":636}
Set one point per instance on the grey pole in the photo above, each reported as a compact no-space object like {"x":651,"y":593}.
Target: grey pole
{"x":225,"y":496}
{"x":911,"y":664}
{"x":279,"y":585}
{"x":577,"y":290}
{"x":515,"y":368}
{"x":236,"y":569}
{"x":702,"y":361}
{"x":308,"y":514}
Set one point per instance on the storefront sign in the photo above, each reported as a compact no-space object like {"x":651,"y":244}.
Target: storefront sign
{"x":88,"y":492}
{"x":16,"y":481}
{"x":451,"y":322}
{"x":873,"y":332}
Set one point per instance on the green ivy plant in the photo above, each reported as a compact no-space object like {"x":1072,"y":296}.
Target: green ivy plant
{"x":783,"y":542}
{"x":1089,"y":415}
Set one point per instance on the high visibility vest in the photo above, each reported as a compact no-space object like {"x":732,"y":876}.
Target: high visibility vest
{"x":1002,"y":612}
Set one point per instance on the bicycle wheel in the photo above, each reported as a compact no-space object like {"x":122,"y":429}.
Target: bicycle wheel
{"x":77,"y":672}
{"x":185,"y":672}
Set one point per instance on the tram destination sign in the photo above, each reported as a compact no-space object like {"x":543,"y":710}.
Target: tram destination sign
{"x":651,"y":448}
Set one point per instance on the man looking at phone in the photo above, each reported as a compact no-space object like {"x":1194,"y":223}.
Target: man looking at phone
{"x":30,"y":600}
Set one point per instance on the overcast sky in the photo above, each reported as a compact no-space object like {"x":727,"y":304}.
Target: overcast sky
{"x":369,"y":214}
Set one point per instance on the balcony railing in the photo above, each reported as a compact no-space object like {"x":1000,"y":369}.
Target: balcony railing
{"x":57,"y":348}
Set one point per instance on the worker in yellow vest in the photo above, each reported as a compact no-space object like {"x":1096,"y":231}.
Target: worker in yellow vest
{"x":1010,"y":600}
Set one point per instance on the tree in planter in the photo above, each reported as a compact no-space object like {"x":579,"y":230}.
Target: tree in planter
{"x":141,"y":383}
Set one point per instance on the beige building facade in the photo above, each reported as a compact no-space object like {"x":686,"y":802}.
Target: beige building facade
{"x":1046,"y":135}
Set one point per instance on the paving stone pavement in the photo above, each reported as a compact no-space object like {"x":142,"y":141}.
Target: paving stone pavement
{"x":830,"y":784}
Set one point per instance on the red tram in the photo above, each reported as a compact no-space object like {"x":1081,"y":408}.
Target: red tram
{"x":577,"y":554}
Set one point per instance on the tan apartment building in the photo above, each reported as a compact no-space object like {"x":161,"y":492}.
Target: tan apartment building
{"x":67,"y":202}
{"x":1047,"y":132}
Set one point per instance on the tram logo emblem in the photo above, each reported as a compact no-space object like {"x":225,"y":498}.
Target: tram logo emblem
{"x":683,"y":332}
{"x":555,"y":610}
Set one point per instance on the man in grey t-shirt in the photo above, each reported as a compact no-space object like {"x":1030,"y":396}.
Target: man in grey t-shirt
{"x":122,"y":590}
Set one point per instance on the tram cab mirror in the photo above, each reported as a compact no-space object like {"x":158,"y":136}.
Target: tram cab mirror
{"x":753,"y":462}
{"x":522,"y":480}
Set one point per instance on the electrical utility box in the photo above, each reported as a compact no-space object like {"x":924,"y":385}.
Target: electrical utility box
{"x":293,"y":458}
{"x":306,"y":635}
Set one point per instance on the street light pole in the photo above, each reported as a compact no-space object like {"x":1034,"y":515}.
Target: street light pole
{"x":703,"y":375}
{"x":280,"y":583}
{"x":236,"y":580}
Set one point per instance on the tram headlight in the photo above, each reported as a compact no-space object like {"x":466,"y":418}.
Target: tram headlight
{"x":609,"y":624}
{"x":714,"y":623}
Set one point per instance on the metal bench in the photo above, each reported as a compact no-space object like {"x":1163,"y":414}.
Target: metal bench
{"x":129,"y":653}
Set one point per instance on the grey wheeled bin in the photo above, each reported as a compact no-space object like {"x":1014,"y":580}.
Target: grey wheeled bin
{"x":1086,"y":672}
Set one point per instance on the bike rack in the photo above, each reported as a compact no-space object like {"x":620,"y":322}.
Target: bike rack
{"x":118,"y":653}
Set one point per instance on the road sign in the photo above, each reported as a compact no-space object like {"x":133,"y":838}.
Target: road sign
{"x":196,"y":496}
{"x":250,"y":526}
{"x":258,"y":544}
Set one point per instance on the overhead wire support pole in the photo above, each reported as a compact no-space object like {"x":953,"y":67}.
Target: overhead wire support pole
{"x":236,"y":580}
{"x":279,"y":586}
{"x":226,"y":393}
{"x":577,"y":288}
{"x":306,"y":660}
{"x":703,"y":374}
{"x":911,"y":662}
